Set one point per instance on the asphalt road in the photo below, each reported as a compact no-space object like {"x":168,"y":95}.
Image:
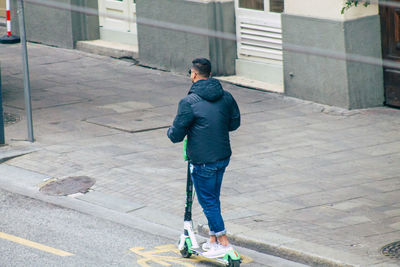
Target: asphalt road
{"x":35,"y":233}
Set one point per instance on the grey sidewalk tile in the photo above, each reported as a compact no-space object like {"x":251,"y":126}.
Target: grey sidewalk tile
{"x":321,"y":215}
{"x":342,"y":124}
{"x":342,"y":155}
{"x":393,"y":213}
{"x":239,"y":213}
{"x":386,"y":185}
{"x":273,"y":238}
{"x":135,"y":122}
{"x":283,"y":124}
{"x":302,"y":152}
{"x":331,"y":254}
{"x":369,"y":231}
{"x":161,"y":217}
{"x":395,"y":225}
{"x":318,"y":199}
{"x":81,"y":90}
{"x":355,"y":204}
{"x":276,"y":207}
{"x":354,"y":220}
{"x":299,"y":188}
{"x":127,"y":106}
{"x":73,"y":112}
{"x":235,"y":228}
{"x":109,"y":202}
{"x":381,"y":149}
{"x":7,"y":152}
{"x":382,"y":238}
{"x":386,"y":264}
{"x":387,"y":198}
{"x":20,"y":176}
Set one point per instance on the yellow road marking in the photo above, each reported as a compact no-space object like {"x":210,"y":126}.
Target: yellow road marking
{"x":165,"y":260}
{"x":35,"y":245}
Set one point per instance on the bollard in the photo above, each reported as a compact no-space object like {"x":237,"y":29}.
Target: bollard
{"x":9,"y":38}
{"x":2,"y":138}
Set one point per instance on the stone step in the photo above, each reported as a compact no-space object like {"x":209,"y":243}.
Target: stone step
{"x":111,"y":49}
{"x":246,"y":82}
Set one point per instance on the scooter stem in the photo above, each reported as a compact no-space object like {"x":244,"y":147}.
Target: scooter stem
{"x":188,"y":224}
{"x":188,"y":227}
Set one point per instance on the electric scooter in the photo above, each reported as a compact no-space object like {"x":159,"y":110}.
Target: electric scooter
{"x":188,"y":244}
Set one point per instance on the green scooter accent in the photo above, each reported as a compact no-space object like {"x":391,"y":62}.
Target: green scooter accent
{"x":185,"y":157}
{"x":233,"y":255}
{"x":189,"y":245}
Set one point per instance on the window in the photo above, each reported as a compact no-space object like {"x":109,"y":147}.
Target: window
{"x":276,"y":6}
{"x":252,"y":4}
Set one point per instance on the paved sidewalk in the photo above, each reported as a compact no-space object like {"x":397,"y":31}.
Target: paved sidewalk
{"x":312,"y":183}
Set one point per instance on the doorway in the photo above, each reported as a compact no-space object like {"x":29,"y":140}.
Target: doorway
{"x":118,"y":21}
{"x":390,"y":23}
{"x":259,"y":45}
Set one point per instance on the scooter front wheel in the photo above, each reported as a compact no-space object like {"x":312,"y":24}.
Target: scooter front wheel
{"x":185,"y":252}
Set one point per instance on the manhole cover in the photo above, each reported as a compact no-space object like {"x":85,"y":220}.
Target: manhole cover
{"x":392,"y":250}
{"x":68,"y":186}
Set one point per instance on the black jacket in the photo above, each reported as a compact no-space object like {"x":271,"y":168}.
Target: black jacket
{"x":206,"y":115}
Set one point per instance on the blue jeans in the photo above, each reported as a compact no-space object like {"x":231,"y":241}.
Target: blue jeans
{"x":207,"y":180}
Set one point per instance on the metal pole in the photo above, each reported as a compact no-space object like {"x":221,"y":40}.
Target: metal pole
{"x":25,"y":66}
{"x":2,"y":139}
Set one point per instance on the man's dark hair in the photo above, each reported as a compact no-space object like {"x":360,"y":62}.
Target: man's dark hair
{"x":203,"y":66}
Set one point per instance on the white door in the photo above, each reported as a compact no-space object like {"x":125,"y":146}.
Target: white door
{"x":259,"y":28}
{"x":118,"y":16}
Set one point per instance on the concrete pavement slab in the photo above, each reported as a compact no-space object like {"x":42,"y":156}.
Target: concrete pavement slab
{"x":109,"y":202}
{"x":21,"y":177}
{"x":7,"y":152}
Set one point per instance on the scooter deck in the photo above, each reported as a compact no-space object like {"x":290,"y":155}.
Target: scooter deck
{"x":200,"y":251}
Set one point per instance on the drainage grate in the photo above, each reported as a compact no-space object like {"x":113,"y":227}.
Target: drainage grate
{"x":392,"y":250}
{"x":68,"y":186}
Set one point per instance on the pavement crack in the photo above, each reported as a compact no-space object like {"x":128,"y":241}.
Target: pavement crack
{"x":61,"y":61}
{"x":327,"y":204}
{"x":11,"y":106}
{"x":125,"y":130}
{"x":62,"y":105}
{"x":52,"y":106}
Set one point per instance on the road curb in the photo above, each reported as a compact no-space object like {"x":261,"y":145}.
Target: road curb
{"x":278,"y":250}
{"x":8,"y":153}
{"x":26,"y":183}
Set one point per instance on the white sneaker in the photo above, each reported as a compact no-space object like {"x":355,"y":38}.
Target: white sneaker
{"x":217,"y":251}
{"x":207,"y":245}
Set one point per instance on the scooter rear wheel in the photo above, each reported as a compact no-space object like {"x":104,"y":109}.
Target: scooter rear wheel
{"x":185,"y":252}
{"x":234,"y":263}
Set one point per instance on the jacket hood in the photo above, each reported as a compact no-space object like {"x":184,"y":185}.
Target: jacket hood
{"x":210,"y":89}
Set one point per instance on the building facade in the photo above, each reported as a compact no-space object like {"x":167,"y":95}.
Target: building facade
{"x":3,"y":8}
{"x":305,"y":49}
{"x":326,"y":52}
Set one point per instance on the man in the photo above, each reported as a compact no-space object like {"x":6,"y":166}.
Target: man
{"x":206,"y":115}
